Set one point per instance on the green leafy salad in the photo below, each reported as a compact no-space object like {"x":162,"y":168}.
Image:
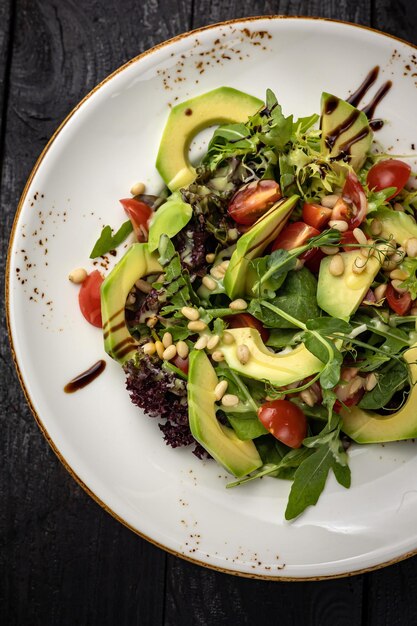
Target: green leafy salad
{"x":267,"y":313}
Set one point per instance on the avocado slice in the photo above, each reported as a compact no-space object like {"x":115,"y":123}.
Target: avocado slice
{"x":224,"y":105}
{"x":340,"y":296}
{"x":346,"y":133}
{"x":396,"y":224}
{"x":169,"y":219}
{"x":278,"y":369}
{"x":253,"y":243}
{"x":136,"y":263}
{"x":370,"y":427}
{"x":237,"y":456}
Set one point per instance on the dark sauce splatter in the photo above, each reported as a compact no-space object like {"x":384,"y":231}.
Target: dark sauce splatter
{"x":369,"y":110}
{"x":357,"y":95}
{"x":363,"y":89}
{"x":87,"y":377}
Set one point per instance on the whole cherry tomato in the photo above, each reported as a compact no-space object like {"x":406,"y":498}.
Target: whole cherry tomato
{"x":246,"y":320}
{"x":285,"y":421}
{"x":294,"y":235}
{"x":388,"y":173}
{"x":89,"y":298}
{"x":139,"y":214}
{"x":253,"y":200}
{"x":316,"y":215}
{"x":401,"y":303}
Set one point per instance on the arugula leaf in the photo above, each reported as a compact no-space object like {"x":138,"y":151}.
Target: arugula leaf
{"x":107,"y":241}
{"x":410,"y":265}
{"x":377,"y":199}
{"x":392,"y":378}
{"x":175,"y":285}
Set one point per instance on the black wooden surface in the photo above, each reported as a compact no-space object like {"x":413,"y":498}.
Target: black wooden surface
{"x":63,"y":560}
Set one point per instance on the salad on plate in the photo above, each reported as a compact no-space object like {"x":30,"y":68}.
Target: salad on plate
{"x":266,"y":313}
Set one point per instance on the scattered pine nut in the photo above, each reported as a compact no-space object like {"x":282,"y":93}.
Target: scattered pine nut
{"x":212,"y":342}
{"x":167,"y":340}
{"x":329,"y":250}
{"x":308,"y":397}
{"x":169,"y":353}
{"x":229,"y":399}
{"x":370,"y":382}
{"x":78,"y":275}
{"x":131,"y":299}
{"x":143,"y":285}
{"x":159,"y":349}
{"x":411,"y":247}
{"x":225,"y":264}
{"x":149,"y":348}
{"x":220,"y":389}
{"x":209,"y":283}
{"x":380,"y":292}
{"x":399,"y":274}
{"x":201,"y":343}
{"x":232,"y":234}
{"x":238,"y":305}
{"x":392,"y":248}
{"x":228,"y":338}
{"x":243,"y":353}
{"x":151,"y":321}
{"x":360,"y":236}
{"x":137,"y":189}
{"x":376,"y":227}
{"x":299,"y":265}
{"x":197,"y":326}
{"x":218,"y":272}
{"x":339,"y":225}
{"x":396,"y":284}
{"x":210,"y":257}
{"x":329,"y":201}
{"x":182,"y":349}
{"x":355,"y":385}
{"x":190,"y":313}
{"x":218,"y":356}
{"x":359,"y":265}
{"x":389,"y":265}
{"x":337,"y":265}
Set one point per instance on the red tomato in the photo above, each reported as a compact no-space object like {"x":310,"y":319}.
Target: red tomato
{"x":253,"y":200}
{"x":388,"y":173}
{"x":348,"y":238}
{"x":353,"y":205}
{"x":89,"y":298}
{"x":294,"y":235}
{"x":139,"y":214}
{"x":181,"y":363}
{"x":350,"y":401}
{"x":313,"y":262}
{"x":316,"y":215}
{"x":400,"y":303}
{"x":246,"y":320}
{"x":285,"y":421}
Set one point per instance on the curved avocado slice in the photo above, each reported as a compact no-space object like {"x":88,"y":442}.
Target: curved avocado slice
{"x":396,"y":224}
{"x":169,"y":219}
{"x":340,"y":296}
{"x":136,"y":263}
{"x":237,"y":456}
{"x":253,"y":243}
{"x":220,"y":106}
{"x":345,"y":131}
{"x":370,"y":427}
{"x":278,"y":369}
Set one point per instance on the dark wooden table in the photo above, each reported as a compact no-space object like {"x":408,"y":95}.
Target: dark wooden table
{"x":63,"y":560}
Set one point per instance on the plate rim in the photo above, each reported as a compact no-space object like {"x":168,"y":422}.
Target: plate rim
{"x":28,"y":399}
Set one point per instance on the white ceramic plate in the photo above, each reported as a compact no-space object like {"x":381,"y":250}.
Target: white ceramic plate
{"x":111,"y":141}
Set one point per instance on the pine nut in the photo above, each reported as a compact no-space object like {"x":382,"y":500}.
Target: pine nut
{"x":238,"y":305}
{"x":232,"y":234}
{"x":137,"y":189}
{"x":380,"y":292}
{"x":397,"y":257}
{"x":392,"y":248}
{"x":376,"y":227}
{"x":370,"y":382}
{"x":143,"y":285}
{"x":197,"y":326}
{"x":169,"y":353}
{"x":355,"y":385}
{"x":217,"y":272}
{"x":360,"y":236}
{"x":337,"y":265}
{"x":339,"y":225}
{"x":329,"y":250}
{"x":159,"y":349}
{"x":149,"y":348}
{"x":307,"y":396}
{"x":210,"y":257}
{"x":398,"y":207}
{"x":151,"y":321}
{"x":389,"y":265}
{"x":396,"y":284}
{"x":190,"y":313}
{"x":201,"y":343}
{"x":329,"y":201}
{"x":411,"y":247}
{"x":413,"y":310}
{"x":243,"y":353}
{"x":131,"y":299}
{"x":218,"y":356}
{"x":228,"y":338}
{"x":167,"y":340}
{"x":359,"y":265}
{"x":212,"y":342}
{"x":220,"y":389}
{"x":229,"y":399}
{"x":182,"y":349}
{"x":299,"y":265}
{"x":78,"y":275}
{"x":399,"y":274}
{"x":209,"y":283}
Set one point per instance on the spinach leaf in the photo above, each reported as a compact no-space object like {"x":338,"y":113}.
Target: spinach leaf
{"x":328,"y":325}
{"x":282,"y":337}
{"x":392,"y":378}
{"x":107,"y":241}
{"x":246,"y":425}
{"x":297,"y":296}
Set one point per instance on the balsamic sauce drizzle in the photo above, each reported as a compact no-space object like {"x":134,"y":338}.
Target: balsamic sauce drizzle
{"x":85,"y":378}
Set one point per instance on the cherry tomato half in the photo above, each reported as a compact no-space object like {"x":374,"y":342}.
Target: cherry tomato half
{"x":294,"y":235}
{"x":89,"y":298}
{"x":246,"y":320}
{"x":253,"y":200}
{"x":313,"y":261}
{"x":401,"y":303}
{"x":388,"y":173}
{"x":285,"y":421}
{"x":316,"y":215}
{"x":348,"y":238}
{"x":139,"y":214}
{"x":181,"y":363}
{"x":353,"y":205}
